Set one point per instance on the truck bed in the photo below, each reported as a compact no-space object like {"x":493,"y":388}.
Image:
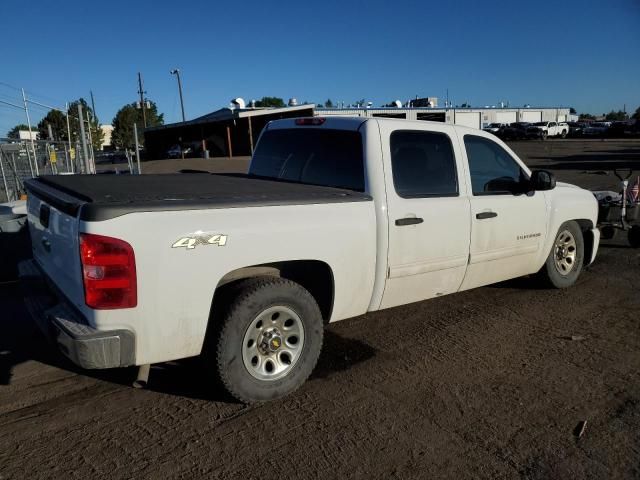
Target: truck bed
{"x":102,"y":197}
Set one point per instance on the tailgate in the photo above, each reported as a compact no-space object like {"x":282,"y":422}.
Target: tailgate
{"x":54,"y":238}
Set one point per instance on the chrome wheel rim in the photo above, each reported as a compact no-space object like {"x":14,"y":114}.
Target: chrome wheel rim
{"x":564,"y":252}
{"x":273,"y":343}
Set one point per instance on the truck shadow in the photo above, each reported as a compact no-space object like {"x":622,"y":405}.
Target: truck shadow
{"x":193,"y":377}
{"x":21,"y":341}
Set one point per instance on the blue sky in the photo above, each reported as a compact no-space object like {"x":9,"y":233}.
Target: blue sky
{"x":584,"y":54}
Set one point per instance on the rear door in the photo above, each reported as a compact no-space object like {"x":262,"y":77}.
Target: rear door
{"x":428,"y":213}
{"x":508,"y":224}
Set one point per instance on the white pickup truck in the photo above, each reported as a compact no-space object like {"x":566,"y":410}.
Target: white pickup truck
{"x":336,"y":217}
{"x":548,"y":129}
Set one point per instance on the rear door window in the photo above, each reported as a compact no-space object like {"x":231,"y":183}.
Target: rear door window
{"x":315,"y":156}
{"x":423,"y":164}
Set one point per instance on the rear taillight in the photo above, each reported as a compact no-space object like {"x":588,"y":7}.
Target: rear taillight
{"x":108,"y":272}
{"x":310,"y":121}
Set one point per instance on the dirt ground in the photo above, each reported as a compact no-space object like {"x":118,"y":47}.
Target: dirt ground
{"x":490,"y":383}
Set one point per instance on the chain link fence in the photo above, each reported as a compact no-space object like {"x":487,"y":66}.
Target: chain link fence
{"x":23,"y":159}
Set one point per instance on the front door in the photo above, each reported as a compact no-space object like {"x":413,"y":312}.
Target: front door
{"x":428,"y":213}
{"x":508,"y":224}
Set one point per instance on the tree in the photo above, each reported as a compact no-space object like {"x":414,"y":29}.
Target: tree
{"x":616,"y":116}
{"x":91,"y":123}
{"x":586,"y":116}
{"x":13,"y":133}
{"x":127,"y":116}
{"x":58,"y":122}
{"x":275,"y":102}
{"x":572,"y":111}
{"x":636,"y":115}
{"x":328,"y":103}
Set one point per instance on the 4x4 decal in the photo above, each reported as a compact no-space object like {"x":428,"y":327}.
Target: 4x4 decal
{"x":201,"y":239}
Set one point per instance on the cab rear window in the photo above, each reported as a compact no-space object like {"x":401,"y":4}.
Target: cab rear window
{"x":314,"y":156}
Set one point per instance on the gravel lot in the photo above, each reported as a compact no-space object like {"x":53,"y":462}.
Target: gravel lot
{"x":490,"y":383}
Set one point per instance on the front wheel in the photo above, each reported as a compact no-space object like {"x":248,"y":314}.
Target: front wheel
{"x":564,"y":134}
{"x":269,"y":341}
{"x":565,"y":261}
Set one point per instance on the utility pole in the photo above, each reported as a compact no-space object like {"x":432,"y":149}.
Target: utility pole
{"x":142,"y":105}
{"x":33,"y":147}
{"x":83,"y":138}
{"x":93,"y":107}
{"x":66,"y":114}
{"x":176,"y":72}
{"x":135,"y":137}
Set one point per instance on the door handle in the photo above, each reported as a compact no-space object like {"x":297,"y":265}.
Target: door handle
{"x":483,"y":215}
{"x":401,"y":222}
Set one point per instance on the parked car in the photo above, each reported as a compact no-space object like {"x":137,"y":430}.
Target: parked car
{"x":495,"y":128}
{"x":516,"y":131}
{"x":179,"y":152}
{"x":543,"y":130}
{"x":576,"y":129}
{"x":619,"y":129}
{"x":596,"y":129}
{"x":336,"y":217}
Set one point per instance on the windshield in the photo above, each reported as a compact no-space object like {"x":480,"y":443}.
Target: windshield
{"x":331,"y":158}
{"x":494,"y":125}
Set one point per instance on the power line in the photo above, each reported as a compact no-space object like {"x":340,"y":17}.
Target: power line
{"x":10,"y":86}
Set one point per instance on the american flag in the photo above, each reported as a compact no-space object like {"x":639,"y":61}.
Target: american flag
{"x":633,"y":193}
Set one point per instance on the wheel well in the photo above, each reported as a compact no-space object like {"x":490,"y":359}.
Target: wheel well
{"x":586,"y":226}
{"x":314,"y":275}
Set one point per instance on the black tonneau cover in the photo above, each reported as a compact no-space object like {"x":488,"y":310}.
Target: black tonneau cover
{"x":101,"y":197}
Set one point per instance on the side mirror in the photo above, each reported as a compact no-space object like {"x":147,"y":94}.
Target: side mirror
{"x":542,"y":180}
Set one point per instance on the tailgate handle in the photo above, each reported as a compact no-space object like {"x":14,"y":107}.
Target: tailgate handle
{"x":483,"y":215}
{"x":401,"y":222}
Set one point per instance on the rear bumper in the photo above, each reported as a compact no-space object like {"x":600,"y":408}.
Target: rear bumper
{"x":83,"y":344}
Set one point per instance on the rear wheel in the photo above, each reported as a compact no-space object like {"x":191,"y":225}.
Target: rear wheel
{"x":269,"y":341}
{"x":564,"y":263}
{"x":564,"y":134}
{"x":543,"y":135}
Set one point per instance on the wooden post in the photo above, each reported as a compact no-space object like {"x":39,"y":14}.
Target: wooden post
{"x":229,"y":148}
{"x":250,"y":135}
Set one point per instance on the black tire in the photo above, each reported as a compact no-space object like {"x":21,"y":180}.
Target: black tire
{"x":634,"y":236}
{"x":607,"y":232}
{"x":551,"y":273}
{"x":543,"y":136}
{"x":254,"y":298}
{"x":564,"y":134}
